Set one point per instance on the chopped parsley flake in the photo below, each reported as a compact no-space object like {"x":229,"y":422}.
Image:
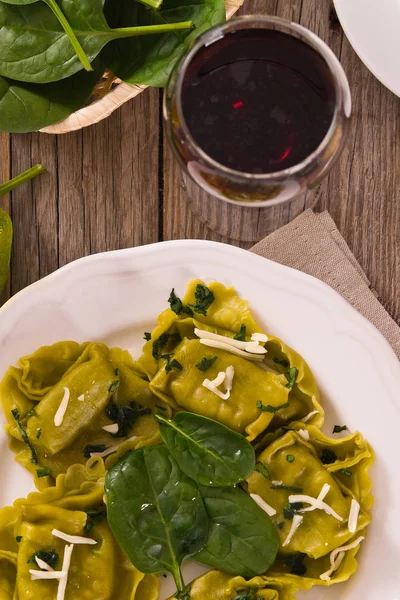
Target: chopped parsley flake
{"x":94,"y":517}
{"x":339,"y":428}
{"x":38,"y":433}
{"x":31,"y":413}
{"x":294,"y":562}
{"x":18,"y":538}
{"x":204,"y":298}
{"x":269,"y":408}
{"x":281,"y":524}
{"x":173,"y":364}
{"x":263,"y":470}
{"x":281,"y":361}
{"x":291,"y":509}
{"x":24,"y":436}
{"x":48,"y":556}
{"x":287,"y":488}
{"x":291,"y":376}
{"x":328,"y":456}
{"x":177,"y":306}
{"x":290,"y":458}
{"x":247,"y":595}
{"x":116,"y":372}
{"x":241,"y":334}
{"x":125,"y":416}
{"x":43,"y":472}
{"x":147,"y":336}
{"x":92,"y":466}
{"x":346,"y":472}
{"x":160,"y":343}
{"x":205,"y":363}
{"x":114,"y":386}
{"x":91,"y":448}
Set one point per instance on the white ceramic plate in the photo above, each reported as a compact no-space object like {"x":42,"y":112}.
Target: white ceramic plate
{"x":372,"y":27}
{"x":115,"y":297}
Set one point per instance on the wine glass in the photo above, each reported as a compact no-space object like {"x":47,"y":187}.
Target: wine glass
{"x":298,"y":105}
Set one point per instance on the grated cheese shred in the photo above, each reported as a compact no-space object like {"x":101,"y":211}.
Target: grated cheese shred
{"x":222,"y":377}
{"x":308,"y":417}
{"x":297,"y":520}
{"x":304,"y":434}
{"x":337,"y":556}
{"x":62,"y":409}
{"x":72,"y":539}
{"x":42,"y":564}
{"x":62,"y":584}
{"x":316,"y":503}
{"x":263,"y":505}
{"x":353,"y":516}
{"x":111,"y":428}
{"x":111,"y":449}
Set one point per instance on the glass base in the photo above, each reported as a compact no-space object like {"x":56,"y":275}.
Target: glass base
{"x":241,"y":223}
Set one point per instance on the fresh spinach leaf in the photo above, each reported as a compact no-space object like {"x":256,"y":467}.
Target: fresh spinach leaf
{"x":53,"y":5}
{"x":155,"y":511}
{"x":184,"y":594}
{"x":242,"y":539}
{"x":151,"y":61}
{"x":28,"y":106}
{"x":206,"y":450}
{"x":241,"y":334}
{"x":205,"y":363}
{"x":34,"y":34}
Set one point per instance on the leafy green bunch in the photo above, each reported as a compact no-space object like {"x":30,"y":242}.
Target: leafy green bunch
{"x":167,"y":503}
{"x":53,"y":52}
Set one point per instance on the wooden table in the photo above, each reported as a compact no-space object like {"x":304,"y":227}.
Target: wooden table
{"x":116,"y":184}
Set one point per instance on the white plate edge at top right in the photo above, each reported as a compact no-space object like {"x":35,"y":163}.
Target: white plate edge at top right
{"x":372,"y":29}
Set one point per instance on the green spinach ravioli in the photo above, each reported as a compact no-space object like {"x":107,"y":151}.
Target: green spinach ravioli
{"x":208,"y":446}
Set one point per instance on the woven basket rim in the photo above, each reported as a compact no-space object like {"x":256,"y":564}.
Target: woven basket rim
{"x":116,"y":97}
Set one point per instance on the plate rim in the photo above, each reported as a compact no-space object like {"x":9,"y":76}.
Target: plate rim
{"x":364,"y":327}
{"x":395,"y":89}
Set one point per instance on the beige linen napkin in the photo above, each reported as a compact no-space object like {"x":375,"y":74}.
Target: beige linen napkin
{"x":312,"y":243}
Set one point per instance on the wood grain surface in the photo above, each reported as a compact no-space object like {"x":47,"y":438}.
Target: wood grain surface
{"x":116,"y":184}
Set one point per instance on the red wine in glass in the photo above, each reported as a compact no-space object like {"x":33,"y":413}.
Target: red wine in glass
{"x":257,"y":111}
{"x":258,"y":101}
